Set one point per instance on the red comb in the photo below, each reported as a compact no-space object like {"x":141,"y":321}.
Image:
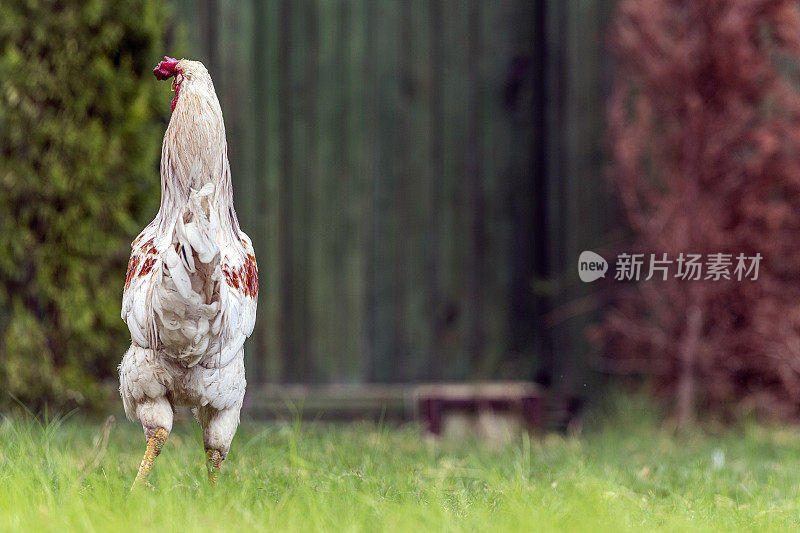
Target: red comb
{"x":166,"y":69}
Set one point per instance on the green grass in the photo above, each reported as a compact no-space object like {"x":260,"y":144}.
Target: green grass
{"x":628,"y":474}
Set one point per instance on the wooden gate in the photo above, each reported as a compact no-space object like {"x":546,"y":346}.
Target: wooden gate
{"x":418,"y":178}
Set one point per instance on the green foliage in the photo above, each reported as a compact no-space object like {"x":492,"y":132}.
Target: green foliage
{"x":81,"y":123}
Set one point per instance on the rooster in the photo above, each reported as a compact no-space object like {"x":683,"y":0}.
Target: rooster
{"x":192,"y":282}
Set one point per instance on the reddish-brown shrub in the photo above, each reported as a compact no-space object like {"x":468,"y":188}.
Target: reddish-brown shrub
{"x":704,"y":124}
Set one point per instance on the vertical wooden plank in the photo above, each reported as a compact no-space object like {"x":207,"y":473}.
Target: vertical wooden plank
{"x":539,"y":149}
{"x":556,"y":190}
{"x":335,"y":304}
{"x":337,"y":200}
{"x":307,"y":179}
{"x":475,"y":234}
{"x":303,"y":367}
{"x":369,"y":371}
{"x":517,"y":86}
{"x":270,"y":225}
{"x":416,"y":230}
{"x":436,"y":311}
{"x":349,"y":183}
{"x":357,"y":212}
{"x":497,"y":151}
{"x":383,"y":73}
{"x":403,"y":228}
{"x":411,"y":233}
{"x":319,"y":333}
{"x":557,"y":187}
{"x":323,"y":274}
{"x":285,"y":206}
{"x":455,"y":210}
{"x":370,"y":65}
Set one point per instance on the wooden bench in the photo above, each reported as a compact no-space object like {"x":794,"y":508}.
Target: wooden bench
{"x":521,"y":399}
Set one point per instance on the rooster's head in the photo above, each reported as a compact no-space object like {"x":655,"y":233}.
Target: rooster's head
{"x":183,"y":70}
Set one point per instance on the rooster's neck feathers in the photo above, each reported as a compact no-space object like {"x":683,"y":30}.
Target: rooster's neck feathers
{"x":194,"y":151}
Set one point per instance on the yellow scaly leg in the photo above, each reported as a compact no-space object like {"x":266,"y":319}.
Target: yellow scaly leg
{"x":214,"y":463}
{"x":154,"y":445}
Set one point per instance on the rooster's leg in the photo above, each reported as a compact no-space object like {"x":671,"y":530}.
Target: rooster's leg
{"x":156,"y":417}
{"x":154,"y":444}
{"x":219,"y":426}
{"x":215,"y":459}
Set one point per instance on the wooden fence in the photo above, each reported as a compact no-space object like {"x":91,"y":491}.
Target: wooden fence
{"x":418,"y":178}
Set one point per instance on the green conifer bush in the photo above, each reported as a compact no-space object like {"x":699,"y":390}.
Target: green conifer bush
{"x":81,"y":121}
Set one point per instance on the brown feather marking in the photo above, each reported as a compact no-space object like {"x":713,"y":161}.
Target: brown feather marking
{"x":148,"y":248}
{"x":133,"y":263}
{"x":147,"y":266}
{"x":250,"y":276}
{"x":226,"y":271}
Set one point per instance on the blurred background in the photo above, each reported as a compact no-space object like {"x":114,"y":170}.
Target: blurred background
{"x":418,"y":178}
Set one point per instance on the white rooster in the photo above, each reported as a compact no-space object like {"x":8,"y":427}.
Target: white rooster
{"x":192,"y":282}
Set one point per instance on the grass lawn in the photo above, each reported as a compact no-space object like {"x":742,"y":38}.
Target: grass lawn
{"x":626,"y":474}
